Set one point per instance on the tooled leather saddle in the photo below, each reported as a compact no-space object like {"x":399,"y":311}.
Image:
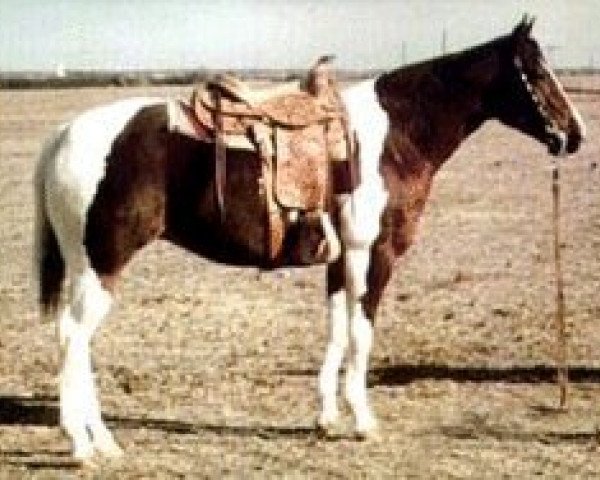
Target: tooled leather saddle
{"x":300,"y":132}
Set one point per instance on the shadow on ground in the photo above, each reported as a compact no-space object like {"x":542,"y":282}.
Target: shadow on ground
{"x":404,"y":374}
{"x":43,"y":411}
{"x":468,"y":432}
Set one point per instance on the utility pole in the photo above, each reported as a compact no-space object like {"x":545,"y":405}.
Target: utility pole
{"x":444,"y":40}
{"x":403,"y":52}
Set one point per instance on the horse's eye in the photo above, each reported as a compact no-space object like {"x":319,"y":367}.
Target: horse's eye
{"x":537,"y":73}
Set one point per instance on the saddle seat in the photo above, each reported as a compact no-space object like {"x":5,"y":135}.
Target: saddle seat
{"x":254,"y":95}
{"x":239,"y":105}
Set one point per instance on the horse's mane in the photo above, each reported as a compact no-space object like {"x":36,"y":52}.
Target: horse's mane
{"x":449,"y":66}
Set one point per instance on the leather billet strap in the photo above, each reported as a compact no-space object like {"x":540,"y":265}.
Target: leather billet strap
{"x":220,"y":155}
{"x":344,"y":175}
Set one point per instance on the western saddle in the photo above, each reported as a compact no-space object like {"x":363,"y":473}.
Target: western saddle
{"x":300,"y":133}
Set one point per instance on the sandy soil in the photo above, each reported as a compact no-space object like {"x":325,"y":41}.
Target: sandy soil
{"x":207,"y":371}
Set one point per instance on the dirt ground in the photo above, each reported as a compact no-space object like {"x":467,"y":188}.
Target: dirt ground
{"x":207,"y":371}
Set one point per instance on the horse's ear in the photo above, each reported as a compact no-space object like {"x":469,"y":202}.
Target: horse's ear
{"x":523,"y":29}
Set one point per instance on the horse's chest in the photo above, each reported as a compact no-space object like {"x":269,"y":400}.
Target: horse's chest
{"x":407,"y":198}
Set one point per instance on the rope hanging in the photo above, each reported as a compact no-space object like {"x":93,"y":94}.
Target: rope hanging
{"x":561,"y":345}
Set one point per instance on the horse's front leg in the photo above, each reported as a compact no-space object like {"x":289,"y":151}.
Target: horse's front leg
{"x":360,"y":222}
{"x":351,"y":321}
{"x":361,"y":310}
{"x":336,"y":348}
{"x":348,"y":286}
{"x":361,"y":339}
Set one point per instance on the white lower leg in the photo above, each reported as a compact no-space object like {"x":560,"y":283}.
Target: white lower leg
{"x":328,"y":377}
{"x":102,"y":438}
{"x":361,"y":334}
{"x":80,"y":408}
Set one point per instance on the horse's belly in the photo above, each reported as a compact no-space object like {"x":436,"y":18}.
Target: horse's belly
{"x":255,"y":222}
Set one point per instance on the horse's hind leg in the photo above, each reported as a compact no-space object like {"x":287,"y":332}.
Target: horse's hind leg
{"x":80,"y":414}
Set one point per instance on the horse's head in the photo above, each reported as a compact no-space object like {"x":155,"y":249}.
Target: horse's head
{"x":530,"y":97}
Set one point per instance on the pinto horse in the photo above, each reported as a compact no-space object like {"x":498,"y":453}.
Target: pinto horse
{"x":121,"y":175}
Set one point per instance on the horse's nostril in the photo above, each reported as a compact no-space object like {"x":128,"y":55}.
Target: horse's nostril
{"x":556,"y":141}
{"x":573,"y":142}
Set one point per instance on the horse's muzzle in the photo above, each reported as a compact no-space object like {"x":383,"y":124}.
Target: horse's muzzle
{"x":574,"y":142}
{"x":562,"y":142}
{"x":556,"y":140}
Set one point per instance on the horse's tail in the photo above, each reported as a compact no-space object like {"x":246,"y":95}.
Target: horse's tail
{"x":49,"y":262}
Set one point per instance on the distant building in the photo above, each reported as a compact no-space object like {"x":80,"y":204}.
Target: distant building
{"x":60,"y":70}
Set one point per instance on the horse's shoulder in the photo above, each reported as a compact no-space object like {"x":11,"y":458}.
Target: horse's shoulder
{"x":366,"y":114}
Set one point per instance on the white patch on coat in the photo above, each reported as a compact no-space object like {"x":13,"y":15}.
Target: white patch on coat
{"x":80,"y":162}
{"x":361,"y":210}
{"x":371,"y":124}
{"x":572,"y":109}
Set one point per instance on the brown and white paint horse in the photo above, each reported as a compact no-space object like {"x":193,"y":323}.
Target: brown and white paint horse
{"x":120,"y":175}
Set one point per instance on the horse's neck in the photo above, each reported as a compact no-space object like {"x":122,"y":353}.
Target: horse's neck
{"x":430,"y":115}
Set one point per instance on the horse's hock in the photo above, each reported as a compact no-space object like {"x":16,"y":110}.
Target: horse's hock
{"x":300,"y":134}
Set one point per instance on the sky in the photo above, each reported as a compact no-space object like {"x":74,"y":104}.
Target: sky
{"x":150,"y":34}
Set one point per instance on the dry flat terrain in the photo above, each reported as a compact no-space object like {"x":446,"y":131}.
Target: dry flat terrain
{"x":207,"y":371}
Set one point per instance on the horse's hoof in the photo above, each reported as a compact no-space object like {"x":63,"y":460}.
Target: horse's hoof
{"x":114,"y":451}
{"x":85,"y":458}
{"x":88,"y":463}
{"x":109,"y":449}
{"x":369,"y":435}
{"x":325,"y":431}
{"x":83,"y":451}
{"x":321,"y":430}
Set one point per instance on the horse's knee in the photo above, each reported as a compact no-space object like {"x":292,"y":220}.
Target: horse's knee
{"x":356,"y":265}
{"x":91,"y":301}
{"x":338,"y":312}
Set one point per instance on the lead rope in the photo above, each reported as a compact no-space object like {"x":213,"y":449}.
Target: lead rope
{"x":561,"y":345}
